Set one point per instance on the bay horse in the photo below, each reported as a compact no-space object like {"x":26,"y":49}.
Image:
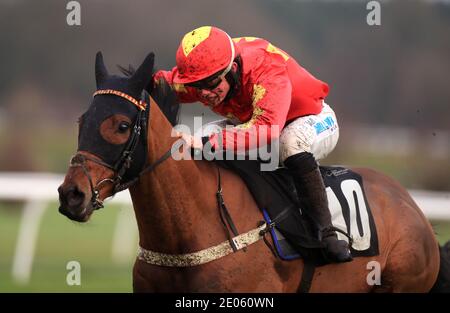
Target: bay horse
{"x":176,"y":210}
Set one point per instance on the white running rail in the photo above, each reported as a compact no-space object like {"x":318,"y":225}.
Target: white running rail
{"x":36,"y":190}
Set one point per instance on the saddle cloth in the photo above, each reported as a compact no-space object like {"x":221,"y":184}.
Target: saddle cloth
{"x":294,"y":235}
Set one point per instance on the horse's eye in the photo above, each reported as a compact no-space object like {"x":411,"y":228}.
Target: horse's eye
{"x":123,"y":127}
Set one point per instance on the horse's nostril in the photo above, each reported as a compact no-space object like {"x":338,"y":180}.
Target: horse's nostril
{"x":75,"y":197}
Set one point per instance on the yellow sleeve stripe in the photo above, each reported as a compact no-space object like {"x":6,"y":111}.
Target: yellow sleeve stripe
{"x":272,"y":49}
{"x":258,"y":93}
{"x":179,"y":88}
{"x":236,"y":40}
{"x":256,"y":113}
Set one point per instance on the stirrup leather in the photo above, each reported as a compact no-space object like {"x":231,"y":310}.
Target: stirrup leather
{"x":330,"y":231}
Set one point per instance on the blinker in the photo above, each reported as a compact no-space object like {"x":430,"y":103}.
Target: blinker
{"x":129,"y":158}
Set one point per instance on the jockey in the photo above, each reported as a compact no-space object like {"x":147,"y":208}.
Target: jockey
{"x":255,"y":85}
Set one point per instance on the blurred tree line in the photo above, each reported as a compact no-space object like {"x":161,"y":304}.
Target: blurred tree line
{"x":395,"y":74}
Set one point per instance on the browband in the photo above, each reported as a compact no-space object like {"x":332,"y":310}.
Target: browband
{"x":141,"y":105}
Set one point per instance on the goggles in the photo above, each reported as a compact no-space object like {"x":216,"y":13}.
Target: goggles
{"x":208,"y":83}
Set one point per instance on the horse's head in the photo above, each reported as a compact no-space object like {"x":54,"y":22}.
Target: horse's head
{"x":112,"y":141}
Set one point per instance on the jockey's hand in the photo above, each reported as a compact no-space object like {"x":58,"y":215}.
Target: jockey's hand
{"x":191,"y":141}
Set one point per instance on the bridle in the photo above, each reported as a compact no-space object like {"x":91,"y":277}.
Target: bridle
{"x":234,"y":241}
{"x":121,"y":166}
{"x":124,"y":162}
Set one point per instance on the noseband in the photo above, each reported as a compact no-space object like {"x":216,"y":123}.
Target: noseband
{"x":124,"y":162}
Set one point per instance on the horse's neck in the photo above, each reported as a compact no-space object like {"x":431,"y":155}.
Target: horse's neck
{"x":168,"y":201}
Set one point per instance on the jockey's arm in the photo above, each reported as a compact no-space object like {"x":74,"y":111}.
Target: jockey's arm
{"x":271,"y":101}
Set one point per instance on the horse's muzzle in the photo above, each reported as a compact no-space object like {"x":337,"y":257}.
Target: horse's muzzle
{"x":73,"y":203}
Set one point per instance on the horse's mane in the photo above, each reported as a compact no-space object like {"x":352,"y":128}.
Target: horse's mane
{"x":163,"y":95}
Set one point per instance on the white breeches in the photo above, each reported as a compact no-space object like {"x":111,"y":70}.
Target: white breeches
{"x":316,"y":134}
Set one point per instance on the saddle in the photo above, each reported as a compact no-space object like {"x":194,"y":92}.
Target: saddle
{"x":294,"y":233}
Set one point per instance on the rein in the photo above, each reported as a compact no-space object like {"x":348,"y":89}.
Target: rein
{"x":233,"y":244}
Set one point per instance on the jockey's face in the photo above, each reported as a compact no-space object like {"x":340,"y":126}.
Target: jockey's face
{"x":215,"y":96}
{"x":214,"y":91}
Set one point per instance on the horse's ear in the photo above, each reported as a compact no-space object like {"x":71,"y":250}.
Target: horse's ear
{"x":143,"y":74}
{"x":100,"y":70}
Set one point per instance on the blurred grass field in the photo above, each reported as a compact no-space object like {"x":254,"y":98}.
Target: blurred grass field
{"x":61,"y":241}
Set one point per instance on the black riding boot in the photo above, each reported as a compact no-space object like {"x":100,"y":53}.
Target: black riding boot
{"x":310,"y":187}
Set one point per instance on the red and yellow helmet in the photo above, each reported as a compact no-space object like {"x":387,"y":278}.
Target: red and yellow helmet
{"x":202,"y":53}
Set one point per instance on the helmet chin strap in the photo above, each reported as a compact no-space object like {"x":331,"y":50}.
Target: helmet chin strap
{"x":233,"y":80}
{"x":230,"y":65}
